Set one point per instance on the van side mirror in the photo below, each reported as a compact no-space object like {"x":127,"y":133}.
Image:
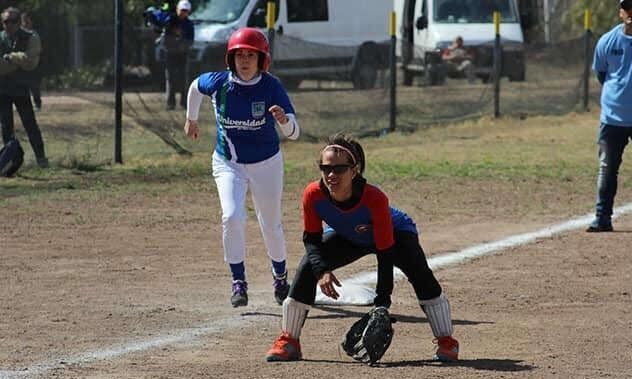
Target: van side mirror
{"x":421,"y":23}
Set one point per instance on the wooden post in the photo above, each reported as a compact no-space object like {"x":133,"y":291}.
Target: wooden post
{"x":393,"y":69}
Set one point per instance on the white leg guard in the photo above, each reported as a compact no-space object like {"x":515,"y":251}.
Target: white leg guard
{"x":438,"y":312}
{"x":294,"y":315}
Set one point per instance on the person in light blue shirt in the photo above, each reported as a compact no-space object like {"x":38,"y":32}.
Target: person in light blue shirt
{"x":249,"y":103}
{"x":613,"y":66}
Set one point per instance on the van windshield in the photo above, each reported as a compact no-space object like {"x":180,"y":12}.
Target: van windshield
{"x":473,"y":11}
{"x":221,"y":11}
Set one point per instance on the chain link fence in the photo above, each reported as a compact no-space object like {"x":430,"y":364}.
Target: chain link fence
{"x":337,"y":87}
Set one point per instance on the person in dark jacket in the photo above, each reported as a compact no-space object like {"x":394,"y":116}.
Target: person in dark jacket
{"x":176,"y":40}
{"x":19,"y":56}
{"x":27,"y":24}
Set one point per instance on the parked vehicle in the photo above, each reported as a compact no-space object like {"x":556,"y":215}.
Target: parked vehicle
{"x":316,"y":39}
{"x":426,"y":27}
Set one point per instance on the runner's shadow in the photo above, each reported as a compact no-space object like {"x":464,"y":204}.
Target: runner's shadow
{"x":504,"y":365}
{"x":336,"y":313}
{"x":329,"y":361}
{"x":340,"y":313}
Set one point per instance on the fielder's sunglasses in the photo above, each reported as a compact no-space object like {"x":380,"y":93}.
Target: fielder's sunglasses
{"x":337,"y":168}
{"x":626,"y":5}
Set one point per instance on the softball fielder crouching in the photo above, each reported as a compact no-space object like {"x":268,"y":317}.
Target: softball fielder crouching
{"x":248,"y":103}
{"x":360,"y":222}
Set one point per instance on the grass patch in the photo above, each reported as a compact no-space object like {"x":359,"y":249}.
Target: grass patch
{"x":509,"y":154}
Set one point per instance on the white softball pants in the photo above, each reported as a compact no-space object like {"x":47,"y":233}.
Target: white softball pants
{"x":265,"y":182}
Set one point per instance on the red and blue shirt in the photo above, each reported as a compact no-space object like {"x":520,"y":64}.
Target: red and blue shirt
{"x":370,"y":222}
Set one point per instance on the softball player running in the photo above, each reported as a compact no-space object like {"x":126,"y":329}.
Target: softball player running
{"x":360,"y":222}
{"x":247,"y":101}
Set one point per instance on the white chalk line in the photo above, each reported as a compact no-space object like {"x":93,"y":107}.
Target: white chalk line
{"x":362,"y":279}
{"x":451,"y":259}
{"x":183,"y":336}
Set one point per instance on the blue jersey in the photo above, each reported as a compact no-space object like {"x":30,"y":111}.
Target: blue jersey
{"x":613,"y":55}
{"x":246,"y":131}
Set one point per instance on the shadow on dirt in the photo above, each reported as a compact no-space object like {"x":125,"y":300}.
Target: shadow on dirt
{"x":338,"y":313}
{"x":344,"y":313}
{"x":502,"y":365}
{"x":506,"y":365}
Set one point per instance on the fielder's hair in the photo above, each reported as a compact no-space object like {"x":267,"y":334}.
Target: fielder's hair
{"x":350,"y":145}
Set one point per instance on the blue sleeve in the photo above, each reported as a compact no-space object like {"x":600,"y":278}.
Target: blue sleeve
{"x":281,"y":98}
{"x":600,"y":63}
{"x":160,"y":18}
{"x":209,"y":82}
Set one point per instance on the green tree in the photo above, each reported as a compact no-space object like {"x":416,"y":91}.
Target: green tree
{"x":56,"y":20}
{"x":605,"y":14}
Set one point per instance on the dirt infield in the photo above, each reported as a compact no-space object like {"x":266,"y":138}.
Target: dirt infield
{"x":100,"y":286}
{"x":100,"y":280}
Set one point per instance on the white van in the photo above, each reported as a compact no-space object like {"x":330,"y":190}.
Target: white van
{"x":426,"y":27}
{"x":316,"y":39}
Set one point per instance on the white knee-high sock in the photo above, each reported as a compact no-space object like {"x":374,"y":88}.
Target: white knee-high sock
{"x":294,"y":315}
{"x":438,"y":312}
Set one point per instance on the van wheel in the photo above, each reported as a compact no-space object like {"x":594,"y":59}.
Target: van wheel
{"x":408,"y":78}
{"x":436,"y":74}
{"x":364,"y":76}
{"x":290,"y":83}
{"x":517,"y":77}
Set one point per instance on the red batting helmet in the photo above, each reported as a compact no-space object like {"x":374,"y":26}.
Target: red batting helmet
{"x":249,"y":38}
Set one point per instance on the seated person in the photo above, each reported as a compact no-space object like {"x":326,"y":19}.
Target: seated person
{"x":458,"y":61}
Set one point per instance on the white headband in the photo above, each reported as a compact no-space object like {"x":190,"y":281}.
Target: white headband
{"x":342,"y":148}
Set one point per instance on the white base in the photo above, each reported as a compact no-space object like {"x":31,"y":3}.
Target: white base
{"x":350,"y":294}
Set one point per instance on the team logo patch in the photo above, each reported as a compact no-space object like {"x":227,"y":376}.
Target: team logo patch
{"x":362,"y":228}
{"x":258,"y":109}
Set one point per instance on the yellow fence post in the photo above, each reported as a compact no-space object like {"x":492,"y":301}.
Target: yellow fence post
{"x":271,"y":12}
{"x":270,"y":15}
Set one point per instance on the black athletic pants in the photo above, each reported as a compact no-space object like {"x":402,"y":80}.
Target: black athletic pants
{"x":175,"y":79}
{"x":25,"y":110}
{"x":338,"y":252}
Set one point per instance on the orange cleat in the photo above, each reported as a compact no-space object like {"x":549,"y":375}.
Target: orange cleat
{"x":284,"y":349}
{"x":448,"y":349}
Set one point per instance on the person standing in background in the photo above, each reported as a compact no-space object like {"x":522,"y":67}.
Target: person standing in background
{"x":613,"y":66}
{"x":19,"y":56}
{"x":27,"y":24}
{"x":176,"y":40}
